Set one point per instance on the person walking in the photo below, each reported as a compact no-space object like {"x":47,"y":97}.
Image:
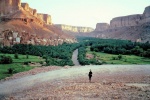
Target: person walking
{"x":90,"y":75}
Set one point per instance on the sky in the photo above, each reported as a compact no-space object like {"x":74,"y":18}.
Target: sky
{"x":87,"y":12}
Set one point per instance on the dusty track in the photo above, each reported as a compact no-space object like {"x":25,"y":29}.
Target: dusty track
{"x":74,"y":81}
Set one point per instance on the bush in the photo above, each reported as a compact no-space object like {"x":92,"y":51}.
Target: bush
{"x":5,"y":60}
{"x":119,"y":56}
{"x":16,"y":56}
{"x":27,"y":62}
{"x":10,"y":70}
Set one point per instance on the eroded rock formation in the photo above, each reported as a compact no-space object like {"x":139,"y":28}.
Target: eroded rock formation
{"x":45,"y":17}
{"x":30,"y":26}
{"x":131,"y":20}
{"x":133,"y":27}
{"x":9,"y":6}
{"x":102,"y":26}
{"x":75,"y":29}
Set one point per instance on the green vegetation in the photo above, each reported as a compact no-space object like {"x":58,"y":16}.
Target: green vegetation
{"x":104,"y":51}
{"x":17,"y":65}
{"x":54,"y":55}
{"x":106,"y":58}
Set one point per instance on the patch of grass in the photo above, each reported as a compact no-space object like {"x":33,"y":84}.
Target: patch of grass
{"x":17,"y":65}
{"x":126,"y":59}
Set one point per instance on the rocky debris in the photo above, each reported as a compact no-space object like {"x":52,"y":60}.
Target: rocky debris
{"x":74,"y":28}
{"x":80,"y":88}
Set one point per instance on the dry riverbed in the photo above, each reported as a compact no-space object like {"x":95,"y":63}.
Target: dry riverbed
{"x":109,"y":82}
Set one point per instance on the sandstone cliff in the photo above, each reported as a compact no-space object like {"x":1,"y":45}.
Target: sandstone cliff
{"x":9,"y":6}
{"x":102,"y":26}
{"x":45,"y":17}
{"x":126,"y":21}
{"x":133,"y":27}
{"x":30,"y":26}
{"x":75,"y":29}
{"x":131,"y":20}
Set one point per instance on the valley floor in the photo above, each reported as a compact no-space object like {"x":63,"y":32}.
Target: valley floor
{"x":125,"y":82}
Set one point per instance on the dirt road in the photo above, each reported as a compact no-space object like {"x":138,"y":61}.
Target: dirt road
{"x":75,"y":75}
{"x":75,"y":58}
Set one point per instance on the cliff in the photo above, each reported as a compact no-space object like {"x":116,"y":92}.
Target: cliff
{"x":45,"y":18}
{"x":102,"y":26}
{"x":125,"y":21}
{"x":75,"y":29}
{"x":133,"y":27}
{"x":31,"y":27}
{"x":131,"y":20}
{"x":9,"y":6}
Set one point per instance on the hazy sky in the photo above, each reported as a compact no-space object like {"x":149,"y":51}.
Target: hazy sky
{"x":87,"y":12}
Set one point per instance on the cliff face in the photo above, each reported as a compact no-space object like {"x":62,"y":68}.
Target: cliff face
{"x":102,"y":26}
{"x":9,"y":6}
{"x":146,"y":13}
{"x":132,"y":27}
{"x":125,"y":21}
{"x":131,"y":20}
{"x":75,"y":29}
{"x":29,"y":26}
{"x":45,"y":17}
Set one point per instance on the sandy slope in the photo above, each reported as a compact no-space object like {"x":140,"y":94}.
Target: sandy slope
{"x":108,"y":82}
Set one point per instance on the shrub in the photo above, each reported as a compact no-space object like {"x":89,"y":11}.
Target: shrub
{"x":119,"y":56}
{"x":27,"y":62}
{"x":16,"y":56}
{"x":10,"y":70}
{"x":5,"y":60}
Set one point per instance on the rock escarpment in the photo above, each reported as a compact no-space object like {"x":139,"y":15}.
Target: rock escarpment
{"x":125,"y":21}
{"x":75,"y":29}
{"x":45,"y":18}
{"x":29,"y":26}
{"x":102,"y":26}
{"x":131,"y":20}
{"x":133,"y":27}
{"x":9,"y":6}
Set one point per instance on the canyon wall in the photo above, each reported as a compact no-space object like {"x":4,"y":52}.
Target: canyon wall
{"x":9,"y":6}
{"x":102,"y":26}
{"x":45,"y":17}
{"x":131,"y":20}
{"x":126,"y":21}
{"x":75,"y":29}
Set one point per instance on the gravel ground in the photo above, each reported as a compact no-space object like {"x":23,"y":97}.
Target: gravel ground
{"x":109,"y":82}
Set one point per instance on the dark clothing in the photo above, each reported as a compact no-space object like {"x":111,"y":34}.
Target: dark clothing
{"x":90,"y":75}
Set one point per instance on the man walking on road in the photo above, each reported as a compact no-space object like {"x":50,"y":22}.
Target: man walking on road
{"x":90,"y":75}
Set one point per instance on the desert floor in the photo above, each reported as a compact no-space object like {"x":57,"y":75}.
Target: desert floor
{"x":123,"y":82}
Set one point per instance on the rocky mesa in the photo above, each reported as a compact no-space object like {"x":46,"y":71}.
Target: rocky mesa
{"x":74,"y":28}
{"x":132,"y":27}
{"x":28,"y":26}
